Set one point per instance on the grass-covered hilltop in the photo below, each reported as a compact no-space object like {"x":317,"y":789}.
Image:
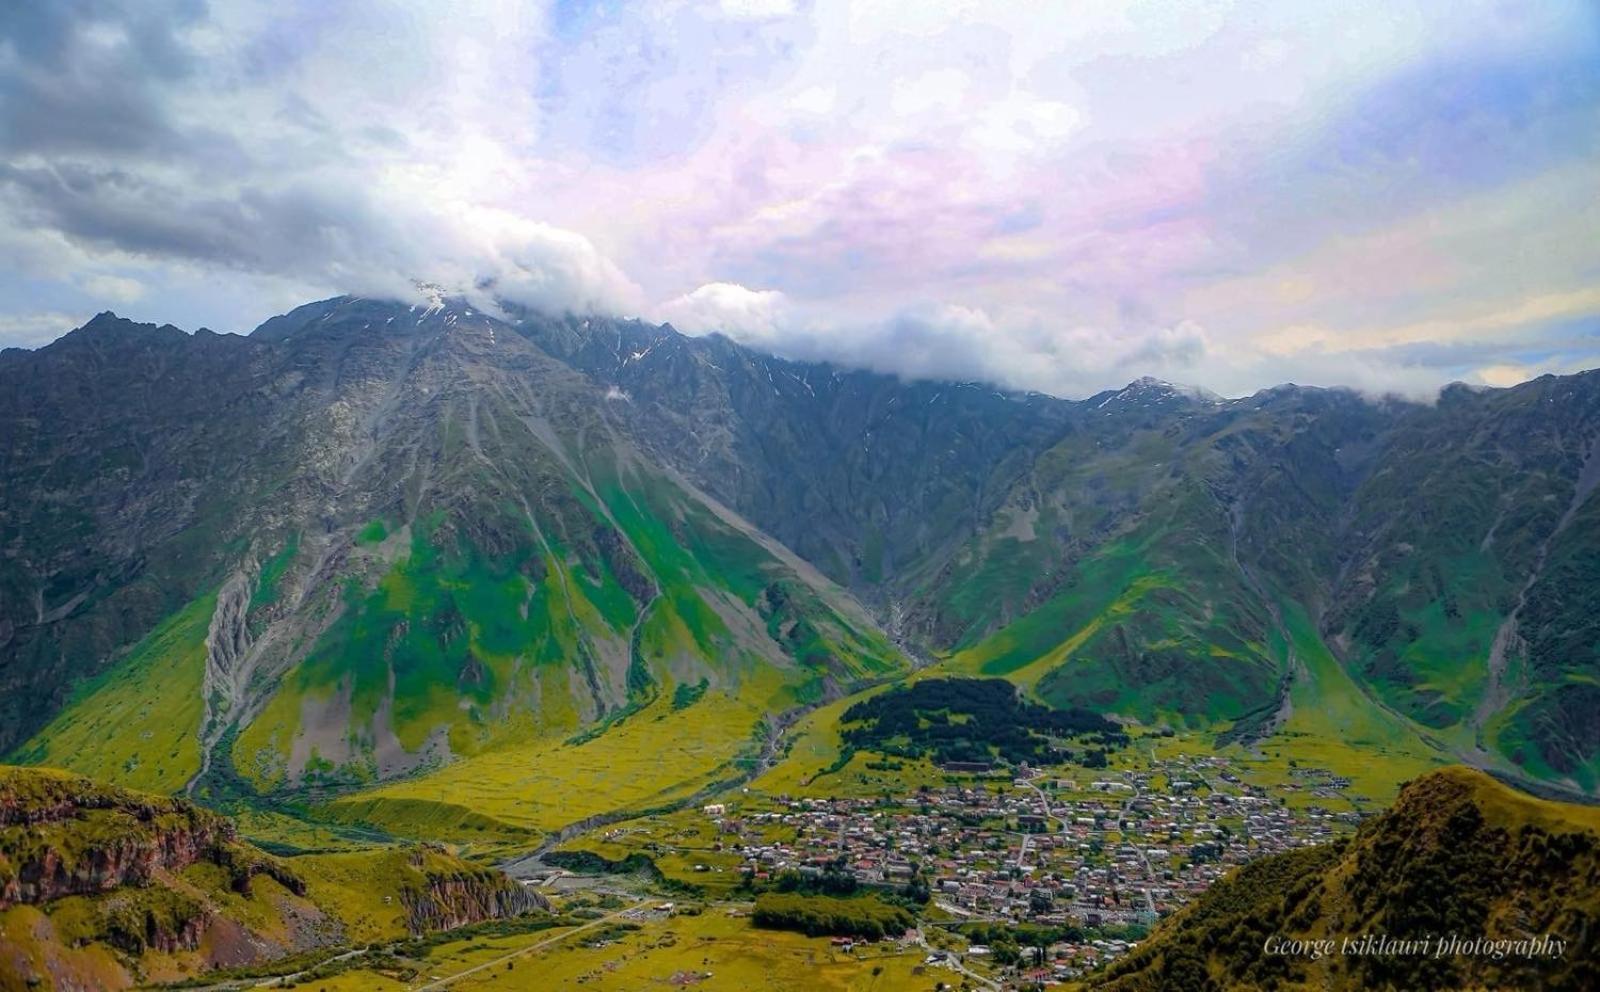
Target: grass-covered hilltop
{"x":362,"y":635}
{"x":1478,"y":886}
{"x":105,"y":888}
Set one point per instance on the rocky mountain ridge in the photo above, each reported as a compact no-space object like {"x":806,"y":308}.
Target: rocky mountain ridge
{"x":362,"y":479}
{"x":65,"y":836}
{"x":1404,"y":535}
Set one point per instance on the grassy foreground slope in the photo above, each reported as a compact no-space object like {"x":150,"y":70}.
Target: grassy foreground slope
{"x":103,"y":887}
{"x":717,"y":950}
{"x":1458,"y":854}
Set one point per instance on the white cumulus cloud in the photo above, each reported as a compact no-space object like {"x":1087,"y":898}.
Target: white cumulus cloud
{"x":751,"y":316}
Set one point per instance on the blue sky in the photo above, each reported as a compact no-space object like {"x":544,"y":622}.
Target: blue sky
{"x":1057,"y":196}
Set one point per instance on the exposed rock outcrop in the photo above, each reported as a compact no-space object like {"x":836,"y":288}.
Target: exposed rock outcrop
{"x":447,"y":893}
{"x":63,"y":835}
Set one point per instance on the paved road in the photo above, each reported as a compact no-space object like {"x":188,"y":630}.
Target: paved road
{"x":277,"y":981}
{"x":519,"y":952}
{"x":1150,"y":872}
{"x":956,"y":965}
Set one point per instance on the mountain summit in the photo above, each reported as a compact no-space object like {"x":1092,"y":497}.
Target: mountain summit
{"x":373,"y":539}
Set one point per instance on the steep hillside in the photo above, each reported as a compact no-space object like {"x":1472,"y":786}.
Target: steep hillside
{"x":872,"y":479}
{"x":103,"y":888}
{"x":125,"y":453}
{"x":1193,"y":558}
{"x":441,"y":546}
{"x":1163,"y":595}
{"x":375,"y":544}
{"x":1467,"y":596}
{"x":1459,"y":855}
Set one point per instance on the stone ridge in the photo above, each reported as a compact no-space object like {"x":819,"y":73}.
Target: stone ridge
{"x":63,"y":835}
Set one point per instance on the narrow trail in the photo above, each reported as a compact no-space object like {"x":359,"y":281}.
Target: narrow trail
{"x":295,"y":978}
{"x":281,"y":981}
{"x":955,"y":965}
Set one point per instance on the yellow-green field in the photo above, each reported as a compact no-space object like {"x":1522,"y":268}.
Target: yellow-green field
{"x":812,"y":744}
{"x":683,"y":846}
{"x":364,"y":885}
{"x":263,"y":826}
{"x":137,"y":725}
{"x":1335,"y":725}
{"x":709,"y":952}
{"x":649,"y":759}
{"x":32,"y":944}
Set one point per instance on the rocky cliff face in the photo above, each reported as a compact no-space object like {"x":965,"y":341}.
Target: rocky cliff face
{"x":62,"y":835}
{"x":447,"y":894}
{"x":168,"y":887}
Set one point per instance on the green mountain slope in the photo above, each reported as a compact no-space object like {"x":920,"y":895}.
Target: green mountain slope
{"x":1459,"y":855}
{"x":431,"y":537}
{"x":466,"y":555}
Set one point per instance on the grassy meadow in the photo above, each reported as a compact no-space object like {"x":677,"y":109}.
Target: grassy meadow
{"x":138,"y":724}
{"x":711,"y":951}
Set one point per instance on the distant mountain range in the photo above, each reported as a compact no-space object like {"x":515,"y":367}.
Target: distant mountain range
{"x":372,"y":537}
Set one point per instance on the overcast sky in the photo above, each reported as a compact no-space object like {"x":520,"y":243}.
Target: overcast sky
{"x":1058,"y":196}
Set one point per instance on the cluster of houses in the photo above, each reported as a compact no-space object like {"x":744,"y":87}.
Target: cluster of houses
{"x":1122,"y":848}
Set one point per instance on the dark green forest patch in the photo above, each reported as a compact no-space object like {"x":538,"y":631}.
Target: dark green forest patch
{"x":976,"y":720}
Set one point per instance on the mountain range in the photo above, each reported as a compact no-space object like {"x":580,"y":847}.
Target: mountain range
{"x":374,"y":545}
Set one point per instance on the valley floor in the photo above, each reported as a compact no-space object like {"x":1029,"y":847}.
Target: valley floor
{"x":648,"y":948}
{"x":1130,"y":842}
{"x":1114,"y":848}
